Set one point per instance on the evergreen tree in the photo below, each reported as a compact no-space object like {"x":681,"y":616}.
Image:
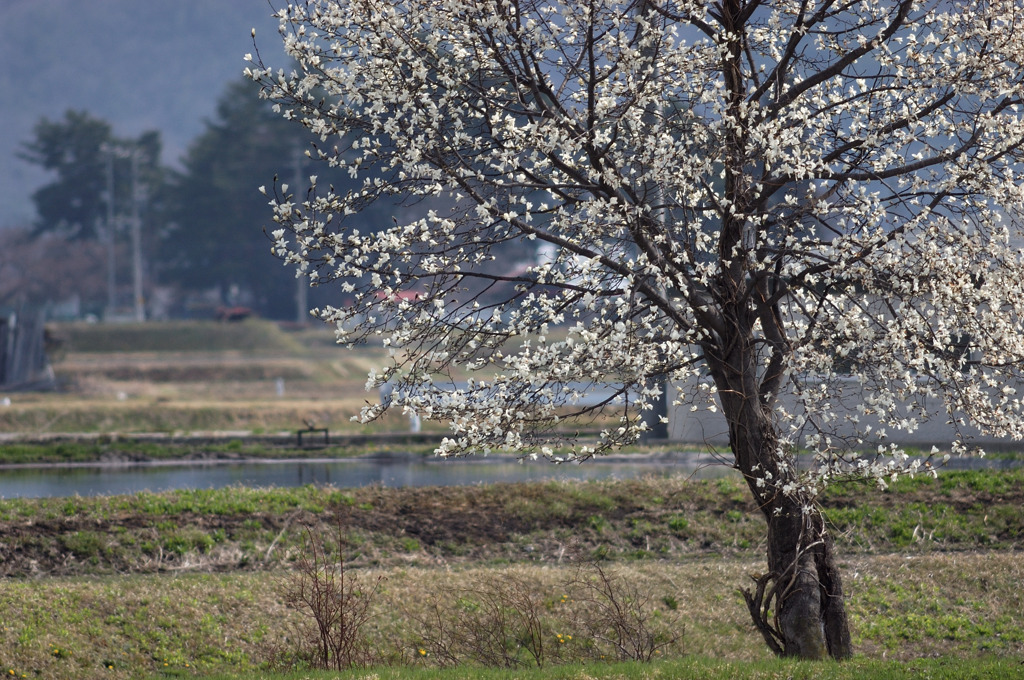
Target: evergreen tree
{"x":217,"y":210}
{"x":79,"y":149}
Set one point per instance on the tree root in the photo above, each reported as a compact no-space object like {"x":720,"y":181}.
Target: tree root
{"x":759,"y":604}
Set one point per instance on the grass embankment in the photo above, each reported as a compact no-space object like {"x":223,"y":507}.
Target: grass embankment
{"x":253,"y":335}
{"x":187,"y":377}
{"x":134,"y":449}
{"x":212,"y":598}
{"x":647,"y":519}
{"x":202,"y":377}
{"x":137,"y":448}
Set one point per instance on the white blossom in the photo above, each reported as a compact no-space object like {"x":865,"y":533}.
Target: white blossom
{"x":837,"y":220}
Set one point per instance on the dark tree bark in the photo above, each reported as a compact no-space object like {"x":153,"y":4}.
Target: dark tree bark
{"x":806,"y":588}
{"x":798,"y":605}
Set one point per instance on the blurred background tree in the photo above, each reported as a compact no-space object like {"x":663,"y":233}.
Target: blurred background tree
{"x":78,"y":149}
{"x":30,"y":279}
{"x":215,"y":208}
{"x":216,"y":211}
{"x":106,"y":190}
{"x":203,"y":244}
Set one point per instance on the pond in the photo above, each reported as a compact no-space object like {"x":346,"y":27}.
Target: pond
{"x":103,"y":479}
{"x":91,"y":480}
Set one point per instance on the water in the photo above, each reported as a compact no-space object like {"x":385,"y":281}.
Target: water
{"x":92,"y":480}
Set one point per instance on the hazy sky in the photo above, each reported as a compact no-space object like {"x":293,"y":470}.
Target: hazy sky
{"x":141,"y":65}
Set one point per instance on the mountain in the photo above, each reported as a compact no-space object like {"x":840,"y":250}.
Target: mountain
{"x":157,"y":64}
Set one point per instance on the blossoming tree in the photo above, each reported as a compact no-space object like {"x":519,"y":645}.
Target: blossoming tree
{"x":806,"y":209}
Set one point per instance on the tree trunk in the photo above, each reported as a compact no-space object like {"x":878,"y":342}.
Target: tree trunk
{"x":798,"y":606}
{"x":803,"y":589}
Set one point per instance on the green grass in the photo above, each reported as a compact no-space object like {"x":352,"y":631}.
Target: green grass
{"x":691,"y":667}
{"x":957,"y":510}
{"x":642,"y":519}
{"x":230,"y":501}
{"x":129,"y":448}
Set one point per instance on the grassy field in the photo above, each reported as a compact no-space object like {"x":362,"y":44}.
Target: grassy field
{"x":196,"y":377}
{"x":949,"y":605}
{"x":196,"y":580}
{"x":654,"y":519}
{"x":194,"y":583}
{"x":693,"y":667}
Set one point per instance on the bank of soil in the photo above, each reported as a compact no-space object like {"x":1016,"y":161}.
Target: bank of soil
{"x":646,"y":519}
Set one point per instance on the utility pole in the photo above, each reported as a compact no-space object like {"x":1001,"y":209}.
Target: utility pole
{"x":132,"y":153}
{"x":111,"y":231}
{"x":140,"y":300}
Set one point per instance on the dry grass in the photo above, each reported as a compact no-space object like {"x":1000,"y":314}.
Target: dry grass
{"x":936,"y":604}
{"x":200,"y":377}
{"x":188,"y":377}
{"x":258,"y":380}
{"x":65,"y":414}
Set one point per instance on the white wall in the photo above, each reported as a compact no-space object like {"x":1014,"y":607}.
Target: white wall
{"x":703,"y":426}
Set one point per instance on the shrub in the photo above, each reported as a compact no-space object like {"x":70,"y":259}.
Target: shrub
{"x":617,"y":617}
{"x":502,"y":620}
{"x":495,"y":622}
{"x":335,"y":605}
